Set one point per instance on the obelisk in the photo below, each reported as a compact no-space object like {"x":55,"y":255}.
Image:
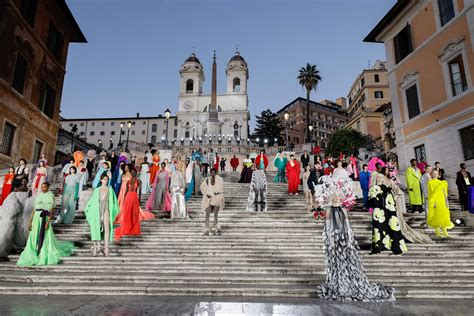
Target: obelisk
{"x":213,"y":120}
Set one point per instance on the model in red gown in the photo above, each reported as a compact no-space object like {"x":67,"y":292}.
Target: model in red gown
{"x":7,"y":184}
{"x":129,"y":217}
{"x":293,"y":174}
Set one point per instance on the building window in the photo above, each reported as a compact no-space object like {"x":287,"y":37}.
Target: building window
{"x":378,"y":94}
{"x":92,"y":123}
{"x":55,"y":41}
{"x":458,"y":76}
{"x":91,"y":133}
{"x":467,"y":139}
{"x":103,"y":123}
{"x":376,"y":78}
{"x":133,"y":132}
{"x":175,"y":133}
{"x":112,"y":123}
{"x":82,"y":124}
{"x":123,"y":132}
{"x":236,"y":85}
{"x":402,"y":44}
{"x":7,"y":139}
{"x":446,"y":11}
{"x":112,"y":133}
{"x":175,"y":122}
{"x":413,"y":105}
{"x":186,"y":134}
{"x":362,"y":82}
{"x":28,"y":11}
{"x":47,"y":100}
{"x":420,"y":153}
{"x":102,"y":133}
{"x":37,"y":150}
{"x":154,"y":128}
{"x":153,"y":139}
{"x":143,"y":132}
{"x":189,"y":86}
{"x":19,"y":76}
{"x":81,"y":133}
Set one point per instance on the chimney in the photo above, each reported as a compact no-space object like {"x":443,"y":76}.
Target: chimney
{"x":342,"y":102}
{"x":138,"y":115}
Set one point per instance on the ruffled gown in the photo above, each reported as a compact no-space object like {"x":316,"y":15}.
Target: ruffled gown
{"x":345,"y":277}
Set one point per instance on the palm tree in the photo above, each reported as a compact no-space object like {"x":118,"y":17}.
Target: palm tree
{"x":309,"y":78}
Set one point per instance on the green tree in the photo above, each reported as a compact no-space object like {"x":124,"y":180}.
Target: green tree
{"x":308,"y":77}
{"x":346,"y":140}
{"x":269,"y":126}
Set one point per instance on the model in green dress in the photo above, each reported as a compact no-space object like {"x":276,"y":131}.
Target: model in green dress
{"x":281,"y":174}
{"x":101,"y":211}
{"x":42,"y":247}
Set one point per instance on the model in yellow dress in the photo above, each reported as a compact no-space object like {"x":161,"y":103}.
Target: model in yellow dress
{"x":438,"y":209}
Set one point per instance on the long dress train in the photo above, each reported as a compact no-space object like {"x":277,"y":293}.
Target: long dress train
{"x":345,"y":276}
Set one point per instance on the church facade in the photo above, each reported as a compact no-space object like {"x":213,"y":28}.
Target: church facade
{"x":195,"y":106}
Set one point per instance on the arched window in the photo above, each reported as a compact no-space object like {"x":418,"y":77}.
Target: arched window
{"x":153,"y":139}
{"x":189,"y":86}
{"x":154,"y":128}
{"x":219,"y":109}
{"x":205,"y":109}
{"x":236,"y":84}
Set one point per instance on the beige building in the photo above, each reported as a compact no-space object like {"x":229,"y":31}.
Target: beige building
{"x":430,"y":61}
{"x":368,"y":92}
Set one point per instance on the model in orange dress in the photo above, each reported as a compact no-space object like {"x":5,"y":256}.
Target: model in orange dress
{"x":130,"y":212}
{"x":155,"y":167}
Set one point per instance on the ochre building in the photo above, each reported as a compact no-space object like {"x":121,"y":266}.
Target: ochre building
{"x":367,"y":94}
{"x":430,"y":61}
{"x":34,"y":37}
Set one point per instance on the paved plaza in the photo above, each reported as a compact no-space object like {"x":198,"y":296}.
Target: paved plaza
{"x":182,"y":305}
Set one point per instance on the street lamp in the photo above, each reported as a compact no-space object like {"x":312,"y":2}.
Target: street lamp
{"x":73,"y":130}
{"x":110,"y":144}
{"x":275,"y":141}
{"x":129,"y":125}
{"x":167,"y":116}
{"x":100,"y":143}
{"x":122,"y":124}
{"x":286,"y":116}
{"x":311,"y":136}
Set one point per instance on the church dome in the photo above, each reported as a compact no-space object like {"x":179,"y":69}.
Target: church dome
{"x":192,"y":59}
{"x":238,"y":58}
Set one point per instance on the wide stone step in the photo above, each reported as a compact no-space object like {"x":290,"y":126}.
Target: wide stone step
{"x":208,"y":290}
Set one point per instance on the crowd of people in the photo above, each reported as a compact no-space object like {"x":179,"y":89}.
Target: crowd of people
{"x":119,"y":181}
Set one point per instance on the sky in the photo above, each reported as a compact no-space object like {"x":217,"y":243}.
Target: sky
{"x":136,"y":47}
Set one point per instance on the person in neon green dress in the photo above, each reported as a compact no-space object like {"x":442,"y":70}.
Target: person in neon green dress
{"x":42,"y":247}
{"x":439,"y":216}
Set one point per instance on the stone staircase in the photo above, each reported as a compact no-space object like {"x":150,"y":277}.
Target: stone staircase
{"x":278,"y":253}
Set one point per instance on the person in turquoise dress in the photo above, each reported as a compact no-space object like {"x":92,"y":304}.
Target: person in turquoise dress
{"x":70,"y":197}
{"x":281,"y":173}
{"x":276,"y":162}
{"x":42,"y":247}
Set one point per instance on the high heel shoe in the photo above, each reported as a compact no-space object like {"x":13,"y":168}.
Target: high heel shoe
{"x":94,"y":251}
{"x":106,"y":251}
